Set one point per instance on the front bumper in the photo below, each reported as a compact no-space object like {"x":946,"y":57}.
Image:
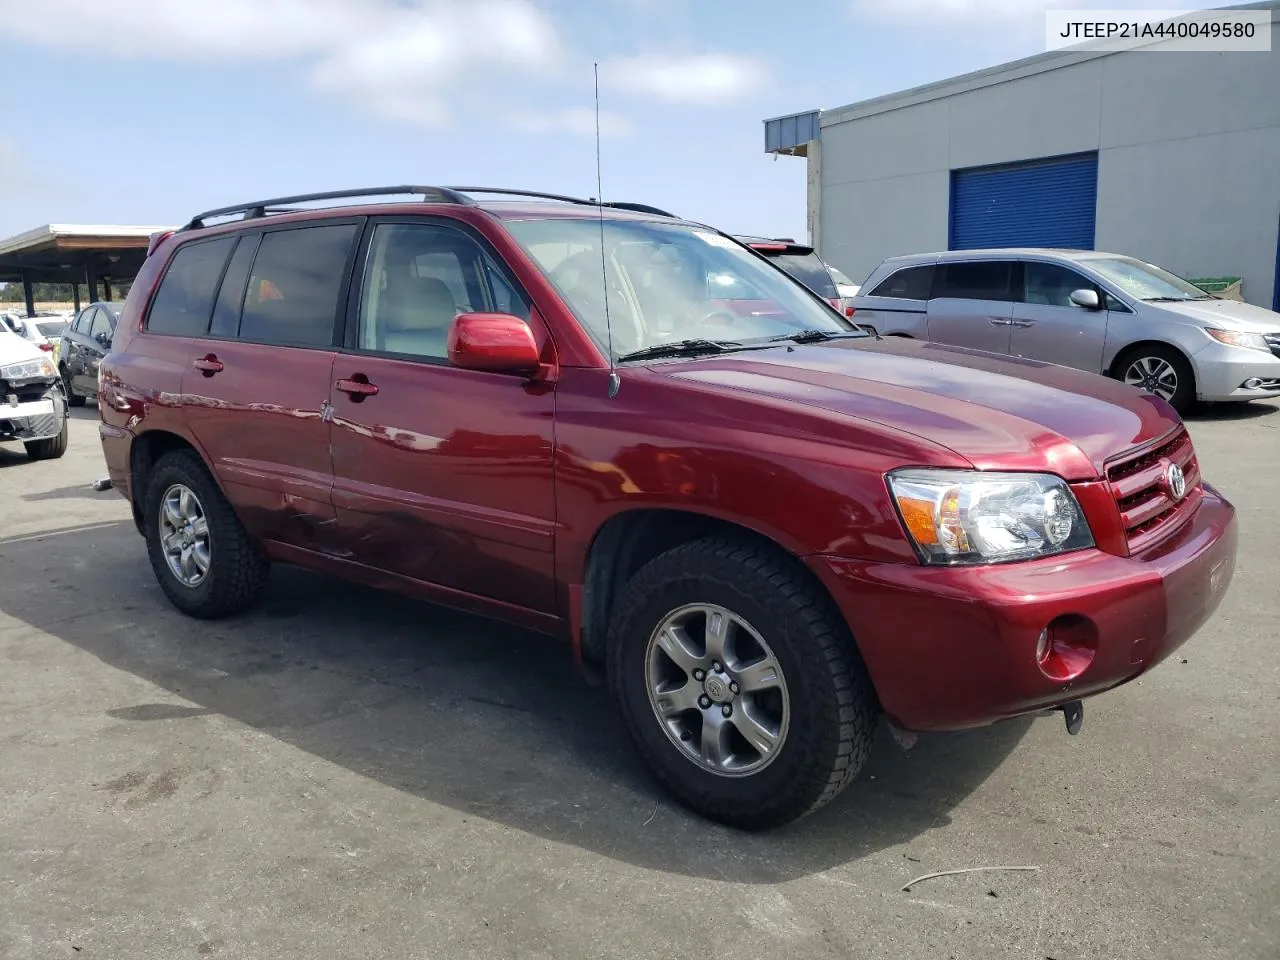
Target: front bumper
{"x":955,"y":647}
{"x":1221,"y":372}
{"x":32,"y":419}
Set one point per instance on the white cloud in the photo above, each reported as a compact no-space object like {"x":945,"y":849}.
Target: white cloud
{"x":981,"y":14}
{"x":393,"y":59}
{"x":706,"y":78}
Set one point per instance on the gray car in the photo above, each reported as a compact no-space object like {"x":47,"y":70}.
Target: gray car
{"x":1100,"y":312}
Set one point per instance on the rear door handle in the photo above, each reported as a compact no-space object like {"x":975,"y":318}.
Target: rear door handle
{"x":209,"y":365}
{"x":357,"y":387}
{"x":1000,"y":321}
{"x":1022,"y":323}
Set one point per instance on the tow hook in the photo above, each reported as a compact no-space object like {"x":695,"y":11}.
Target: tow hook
{"x":1073,"y":713}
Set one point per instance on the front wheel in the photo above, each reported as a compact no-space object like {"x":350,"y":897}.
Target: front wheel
{"x":73,"y":400}
{"x":1161,"y":370}
{"x":739,"y":683}
{"x":50,"y":448}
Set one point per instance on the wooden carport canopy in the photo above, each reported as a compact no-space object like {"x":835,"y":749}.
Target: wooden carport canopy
{"x":95,"y":256}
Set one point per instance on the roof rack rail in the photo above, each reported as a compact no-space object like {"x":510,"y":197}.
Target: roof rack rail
{"x":260,"y":208}
{"x":536,"y":194}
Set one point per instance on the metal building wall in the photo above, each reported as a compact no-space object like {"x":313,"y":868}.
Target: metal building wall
{"x":1189,"y":160}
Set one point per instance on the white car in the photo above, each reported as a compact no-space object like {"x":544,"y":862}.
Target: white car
{"x":43,"y":331}
{"x":32,"y":406}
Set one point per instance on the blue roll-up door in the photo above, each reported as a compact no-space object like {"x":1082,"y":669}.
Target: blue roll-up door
{"x":1040,"y":203}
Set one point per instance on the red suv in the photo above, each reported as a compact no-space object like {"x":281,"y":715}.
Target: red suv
{"x":766,"y":527}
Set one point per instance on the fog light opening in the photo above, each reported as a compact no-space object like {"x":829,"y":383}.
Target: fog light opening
{"x":1066,"y":647}
{"x":1253,"y":383}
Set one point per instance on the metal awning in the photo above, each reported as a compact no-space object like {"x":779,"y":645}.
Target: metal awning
{"x":76,"y":254}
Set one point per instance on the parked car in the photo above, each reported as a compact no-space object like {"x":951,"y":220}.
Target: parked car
{"x":800,"y":262}
{"x":84,"y":343}
{"x":32,"y":408}
{"x":845,"y":287}
{"x":1101,"y":312}
{"x":30,"y":329}
{"x":766,"y":527}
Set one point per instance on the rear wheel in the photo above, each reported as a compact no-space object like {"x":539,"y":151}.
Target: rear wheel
{"x":739,"y":683}
{"x":204,"y":559}
{"x":1160,"y":370}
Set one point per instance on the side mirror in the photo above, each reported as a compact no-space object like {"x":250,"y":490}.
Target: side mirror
{"x":1086,"y":298}
{"x":104,"y":339}
{"x":494,"y":342}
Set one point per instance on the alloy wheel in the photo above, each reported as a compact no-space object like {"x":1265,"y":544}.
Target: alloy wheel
{"x":184,"y":535}
{"x":1153,"y":374}
{"x":717,"y":689}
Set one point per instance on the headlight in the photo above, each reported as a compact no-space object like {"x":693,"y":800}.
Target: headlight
{"x":1234,"y":338}
{"x":966,"y":516}
{"x":42,"y":368}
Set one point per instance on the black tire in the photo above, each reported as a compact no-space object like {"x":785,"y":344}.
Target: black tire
{"x":1185,"y":393}
{"x":238,"y":568}
{"x":832,"y":704}
{"x":73,"y":400}
{"x":51,"y":448}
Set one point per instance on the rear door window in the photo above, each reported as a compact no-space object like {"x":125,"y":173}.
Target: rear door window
{"x":185,"y":299}
{"x":975,"y":280}
{"x":910,"y":283}
{"x":292,"y":296}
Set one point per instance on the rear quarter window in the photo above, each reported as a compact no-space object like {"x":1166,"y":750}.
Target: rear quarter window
{"x":909,"y":283}
{"x":184,"y":302}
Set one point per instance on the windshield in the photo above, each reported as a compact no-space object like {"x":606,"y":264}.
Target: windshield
{"x":1146,"y":282}
{"x":809,"y":270}
{"x":667,"y":283}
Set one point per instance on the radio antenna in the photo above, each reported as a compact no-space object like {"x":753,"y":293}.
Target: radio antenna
{"x":614,"y":381}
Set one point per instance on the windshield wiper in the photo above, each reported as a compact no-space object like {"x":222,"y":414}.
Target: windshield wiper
{"x":681,"y":348}
{"x":1173,"y":299}
{"x":816,"y":336}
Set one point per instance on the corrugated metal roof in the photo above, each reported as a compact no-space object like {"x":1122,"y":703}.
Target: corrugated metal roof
{"x":787,"y":133}
{"x":41,"y":236}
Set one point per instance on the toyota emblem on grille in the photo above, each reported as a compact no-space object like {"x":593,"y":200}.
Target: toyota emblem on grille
{"x":1176,"y":481}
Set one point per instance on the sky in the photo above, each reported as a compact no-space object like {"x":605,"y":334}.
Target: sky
{"x":147,"y":111}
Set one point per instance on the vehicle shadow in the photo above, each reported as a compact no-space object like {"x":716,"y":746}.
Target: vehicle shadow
{"x":481,"y":717}
{"x":81,"y":491}
{"x":1233,"y":411}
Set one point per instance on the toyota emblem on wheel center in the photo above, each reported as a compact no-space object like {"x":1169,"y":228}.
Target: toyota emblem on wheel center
{"x":1176,"y":481}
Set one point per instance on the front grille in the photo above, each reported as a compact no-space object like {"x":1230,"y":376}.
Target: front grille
{"x":1139,"y":483}
{"x":1273,"y":341}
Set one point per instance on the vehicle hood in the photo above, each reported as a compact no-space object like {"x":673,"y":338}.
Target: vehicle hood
{"x":15,"y":349}
{"x":1228,"y":314}
{"x":996,"y":412}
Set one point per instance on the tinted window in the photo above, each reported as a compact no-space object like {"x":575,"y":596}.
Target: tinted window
{"x":226,"y":312}
{"x":809,"y":270}
{"x":102,"y":325}
{"x":292,"y":296}
{"x":975,"y":280}
{"x":418,"y":277}
{"x":1051,"y":285}
{"x":185,"y":298}
{"x":910,"y":283}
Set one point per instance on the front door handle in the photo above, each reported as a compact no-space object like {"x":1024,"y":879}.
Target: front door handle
{"x":357,"y":386}
{"x":209,"y":364}
{"x":1000,"y":321}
